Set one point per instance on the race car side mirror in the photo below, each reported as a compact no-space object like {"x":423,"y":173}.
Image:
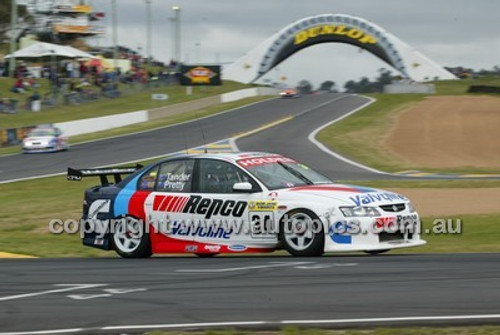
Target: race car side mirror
{"x":244,"y":187}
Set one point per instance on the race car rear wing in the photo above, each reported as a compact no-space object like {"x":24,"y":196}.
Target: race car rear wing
{"x":103,"y":173}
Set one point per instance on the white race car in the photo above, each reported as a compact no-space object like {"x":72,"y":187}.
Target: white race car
{"x":241,"y":202}
{"x":45,"y":139}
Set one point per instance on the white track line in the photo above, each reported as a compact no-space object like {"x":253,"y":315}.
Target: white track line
{"x":267,"y":324}
{"x":322,"y":147}
{"x":48,"y":332}
{"x":255,"y":267}
{"x":67,"y":288}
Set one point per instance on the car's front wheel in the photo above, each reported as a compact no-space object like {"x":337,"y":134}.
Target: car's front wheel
{"x":130,"y":239}
{"x":301,"y":233}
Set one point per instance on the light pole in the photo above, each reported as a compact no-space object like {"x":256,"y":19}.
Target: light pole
{"x":148,"y":33}
{"x":13,"y":28}
{"x":177,"y":39}
{"x":115,"y":36}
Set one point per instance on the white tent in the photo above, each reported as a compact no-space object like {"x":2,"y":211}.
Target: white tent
{"x":41,"y":49}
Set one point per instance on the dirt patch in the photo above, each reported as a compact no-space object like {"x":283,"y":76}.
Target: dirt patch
{"x":453,"y":202}
{"x":448,"y":132}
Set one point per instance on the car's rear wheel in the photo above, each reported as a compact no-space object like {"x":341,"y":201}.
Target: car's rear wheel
{"x":130,"y":240}
{"x":301,"y":233}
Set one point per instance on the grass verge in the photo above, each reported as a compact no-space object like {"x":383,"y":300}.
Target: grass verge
{"x":359,"y":137}
{"x":127,"y":103}
{"x":27,"y":207}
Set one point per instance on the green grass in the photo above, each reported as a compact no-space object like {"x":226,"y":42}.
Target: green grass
{"x":480,"y":233}
{"x":466,"y":330}
{"x":103,"y":106}
{"x":460,"y":87}
{"x":27,"y":207}
{"x":359,"y":136}
{"x":182,"y":117}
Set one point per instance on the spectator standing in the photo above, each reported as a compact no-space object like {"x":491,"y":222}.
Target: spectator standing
{"x":70,"y":69}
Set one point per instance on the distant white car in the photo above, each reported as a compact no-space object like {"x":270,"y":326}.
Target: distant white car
{"x":45,"y":139}
{"x":289,"y":93}
{"x":240,"y":202}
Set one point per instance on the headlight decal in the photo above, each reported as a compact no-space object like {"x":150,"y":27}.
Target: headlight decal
{"x":359,"y":211}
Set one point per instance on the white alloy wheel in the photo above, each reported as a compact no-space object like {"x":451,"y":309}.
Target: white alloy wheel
{"x":128,"y":235}
{"x":299,"y":231}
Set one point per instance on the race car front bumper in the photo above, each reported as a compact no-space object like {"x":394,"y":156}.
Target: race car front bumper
{"x":372,"y":234}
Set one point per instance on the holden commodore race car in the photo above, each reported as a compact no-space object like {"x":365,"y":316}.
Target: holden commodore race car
{"x":289,"y":93}
{"x":45,"y":139}
{"x":208,"y":204}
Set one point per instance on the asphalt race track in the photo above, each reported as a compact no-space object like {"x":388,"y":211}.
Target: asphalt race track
{"x":343,"y":291}
{"x":111,"y":295}
{"x":325,"y":107}
{"x":291,"y":139}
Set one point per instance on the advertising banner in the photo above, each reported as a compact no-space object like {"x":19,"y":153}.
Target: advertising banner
{"x":196,"y":75}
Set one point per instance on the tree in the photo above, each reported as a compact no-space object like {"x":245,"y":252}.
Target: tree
{"x":305,"y":87}
{"x":327,"y":85}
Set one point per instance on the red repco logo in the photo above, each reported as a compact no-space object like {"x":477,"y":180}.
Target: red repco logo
{"x":195,"y":204}
{"x":169,"y":203}
{"x":264,"y":160}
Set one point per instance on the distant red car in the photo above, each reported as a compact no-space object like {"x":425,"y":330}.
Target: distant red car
{"x":289,"y":93}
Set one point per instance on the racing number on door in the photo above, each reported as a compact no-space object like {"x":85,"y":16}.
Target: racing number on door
{"x":262,"y":224}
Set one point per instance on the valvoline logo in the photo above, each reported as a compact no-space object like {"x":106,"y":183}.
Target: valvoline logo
{"x":237,"y":247}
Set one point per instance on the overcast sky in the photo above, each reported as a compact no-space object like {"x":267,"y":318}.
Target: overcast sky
{"x":450,"y":32}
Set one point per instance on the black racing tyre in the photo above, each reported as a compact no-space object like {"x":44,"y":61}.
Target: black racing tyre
{"x":130,"y":240}
{"x":376,"y":252}
{"x":301,"y":233}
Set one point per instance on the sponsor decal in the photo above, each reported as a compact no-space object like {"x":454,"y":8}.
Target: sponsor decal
{"x":99,"y":206}
{"x":173,"y":181}
{"x":212,"y":248}
{"x":237,"y":247}
{"x":338,"y":232}
{"x":169,"y":203}
{"x":331,"y":29}
{"x":99,"y":241}
{"x":209,"y":207}
{"x":386,"y":222}
{"x":249,"y":162}
{"x":180,"y":229}
{"x":273,"y":195}
{"x":263,"y":205}
{"x":393,"y":223}
{"x":196,"y":204}
{"x":365,"y":199}
{"x":191,"y":248}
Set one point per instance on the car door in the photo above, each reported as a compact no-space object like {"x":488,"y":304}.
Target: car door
{"x":171,"y":182}
{"x":223,"y":215}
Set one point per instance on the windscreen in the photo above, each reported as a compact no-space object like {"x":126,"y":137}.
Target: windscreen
{"x":277,"y":172}
{"x":41,"y":133}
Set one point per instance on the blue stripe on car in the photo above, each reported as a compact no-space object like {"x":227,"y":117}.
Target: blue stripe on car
{"x":123,"y":197}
